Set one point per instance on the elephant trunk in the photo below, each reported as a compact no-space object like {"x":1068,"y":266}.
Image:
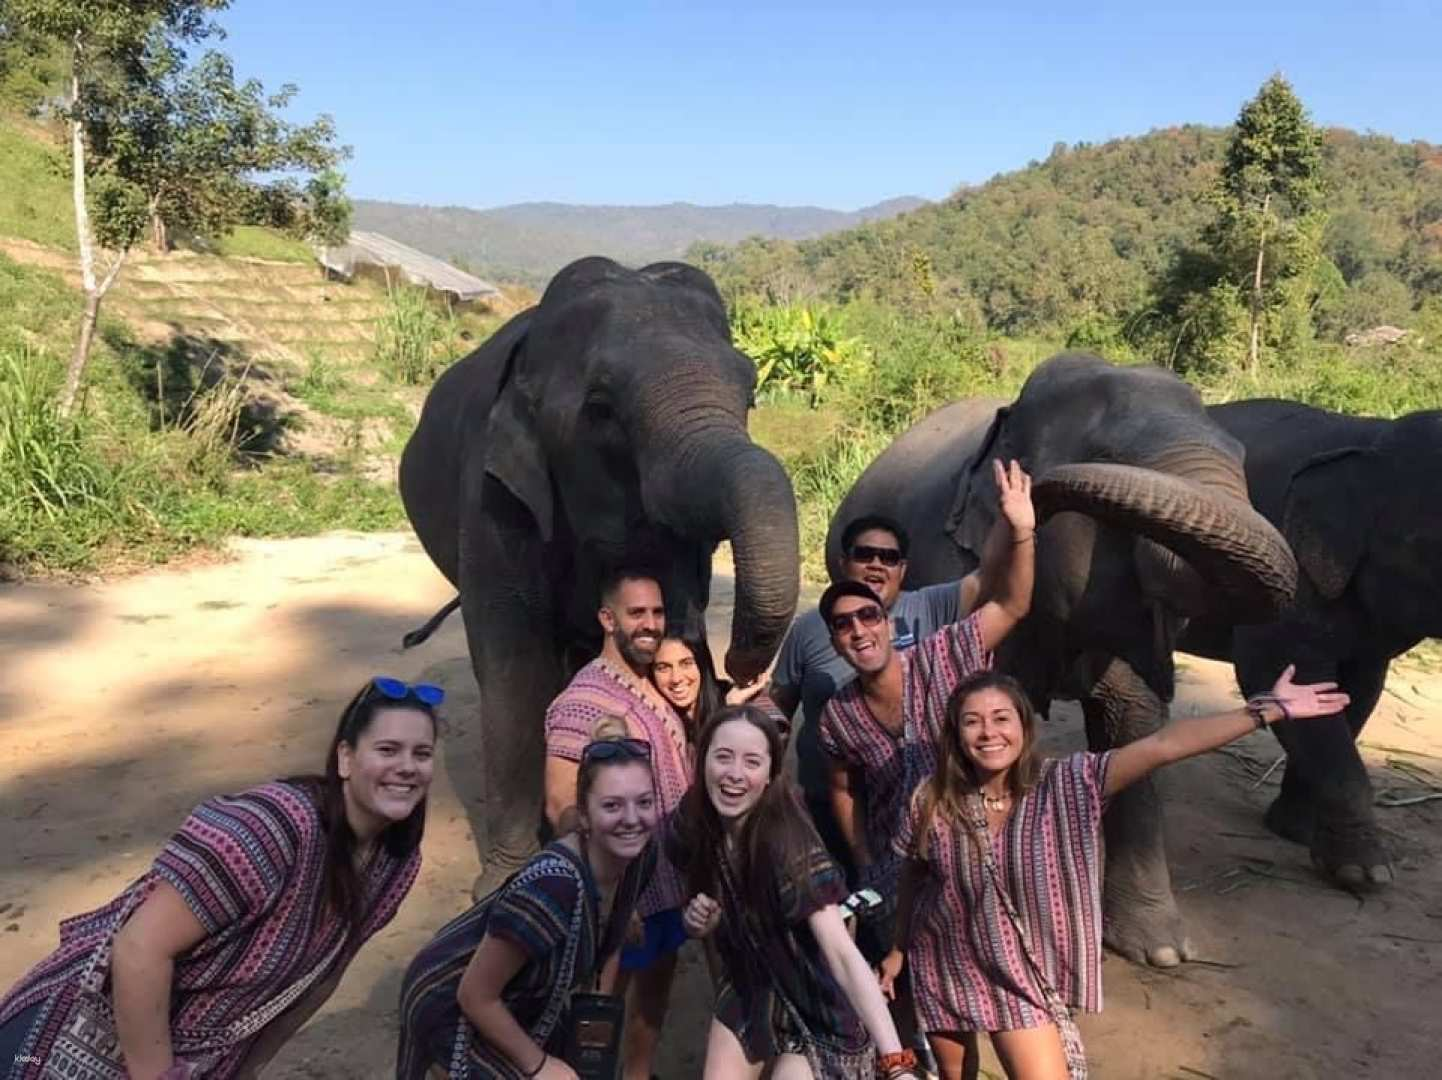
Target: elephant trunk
{"x":1247,"y":567}
{"x":725,"y":487}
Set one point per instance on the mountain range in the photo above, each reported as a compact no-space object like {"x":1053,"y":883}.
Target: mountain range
{"x":528,"y":242}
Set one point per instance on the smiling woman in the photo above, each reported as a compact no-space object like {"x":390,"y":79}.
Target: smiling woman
{"x":795,"y":993}
{"x":999,"y":905}
{"x":246,"y":921}
{"x":497,"y":992}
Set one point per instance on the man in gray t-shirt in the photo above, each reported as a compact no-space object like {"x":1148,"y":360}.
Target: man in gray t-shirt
{"x":809,"y":669}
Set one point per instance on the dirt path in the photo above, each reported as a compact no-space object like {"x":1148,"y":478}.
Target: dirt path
{"x":123,"y":704}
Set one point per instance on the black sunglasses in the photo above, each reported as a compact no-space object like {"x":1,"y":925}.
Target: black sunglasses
{"x":865,"y":553}
{"x":608,"y":749}
{"x":869,"y":615}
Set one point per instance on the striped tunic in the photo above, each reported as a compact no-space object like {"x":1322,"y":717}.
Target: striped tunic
{"x":766,"y":956}
{"x":534,"y":911}
{"x":891,"y":766}
{"x":600,"y":689}
{"x":968,"y":970}
{"x":251,"y":867}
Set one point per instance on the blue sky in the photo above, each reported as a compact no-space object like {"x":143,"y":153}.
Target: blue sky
{"x":833,"y":104}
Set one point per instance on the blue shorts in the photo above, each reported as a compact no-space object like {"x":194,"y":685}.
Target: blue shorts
{"x":664,"y":933}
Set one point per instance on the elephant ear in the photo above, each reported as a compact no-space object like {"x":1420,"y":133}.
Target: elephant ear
{"x":513,"y":449}
{"x":1326,"y":517}
{"x":974,"y":505}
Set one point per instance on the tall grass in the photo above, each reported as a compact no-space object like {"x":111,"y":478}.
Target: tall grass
{"x":414,"y":341}
{"x":47,"y":467}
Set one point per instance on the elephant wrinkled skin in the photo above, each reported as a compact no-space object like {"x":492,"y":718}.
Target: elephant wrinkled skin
{"x":1360,"y":501}
{"x":1147,"y":523}
{"x":605,"y":426}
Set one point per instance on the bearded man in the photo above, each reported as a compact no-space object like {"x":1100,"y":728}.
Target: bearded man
{"x":618,"y":683}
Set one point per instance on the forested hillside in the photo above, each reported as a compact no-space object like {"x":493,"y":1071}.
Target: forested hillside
{"x":1095,"y":231}
{"x":528,"y":242}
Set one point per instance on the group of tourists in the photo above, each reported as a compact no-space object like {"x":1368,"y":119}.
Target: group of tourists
{"x":932,"y":877}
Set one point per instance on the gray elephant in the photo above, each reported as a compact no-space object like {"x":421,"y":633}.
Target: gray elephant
{"x":1147,"y":523}
{"x":604,"y":427}
{"x":1360,"y":501}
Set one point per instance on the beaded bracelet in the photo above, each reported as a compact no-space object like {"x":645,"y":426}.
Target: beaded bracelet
{"x":891,"y":1065}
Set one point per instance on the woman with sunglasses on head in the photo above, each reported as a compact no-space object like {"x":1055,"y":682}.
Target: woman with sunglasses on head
{"x":1000,"y":896}
{"x":685,"y":673}
{"x":246,"y":921}
{"x":796,"y":995}
{"x":490,"y":995}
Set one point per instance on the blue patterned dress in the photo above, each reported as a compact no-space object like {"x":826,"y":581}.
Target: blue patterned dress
{"x":550,"y":910}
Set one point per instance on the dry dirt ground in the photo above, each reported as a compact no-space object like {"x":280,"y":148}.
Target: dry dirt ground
{"x":124,"y":703}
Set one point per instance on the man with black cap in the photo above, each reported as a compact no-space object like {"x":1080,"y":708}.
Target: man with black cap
{"x":879,"y":731}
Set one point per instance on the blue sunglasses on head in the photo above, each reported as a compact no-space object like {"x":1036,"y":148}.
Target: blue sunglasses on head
{"x":396,"y":690}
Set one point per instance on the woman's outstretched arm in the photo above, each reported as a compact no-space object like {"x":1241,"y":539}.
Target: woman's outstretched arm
{"x":855,"y":977}
{"x":1187,"y":738}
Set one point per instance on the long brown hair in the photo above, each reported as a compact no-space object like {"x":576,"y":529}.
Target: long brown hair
{"x":710,"y":696}
{"x":956,"y":777}
{"x":775,"y":836}
{"x":344,"y":891}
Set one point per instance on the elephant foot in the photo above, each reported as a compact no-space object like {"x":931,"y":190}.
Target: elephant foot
{"x":1292,"y":819}
{"x":496,"y":869}
{"x":1352,"y":856}
{"x":1145,"y":932}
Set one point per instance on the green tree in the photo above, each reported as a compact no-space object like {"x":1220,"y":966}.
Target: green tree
{"x":1267,"y":194}
{"x":104,"y":39}
{"x":197,"y":143}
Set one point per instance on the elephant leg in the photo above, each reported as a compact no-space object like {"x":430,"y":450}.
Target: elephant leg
{"x":1140,"y":917}
{"x":1326,"y":800}
{"x":509,"y":615}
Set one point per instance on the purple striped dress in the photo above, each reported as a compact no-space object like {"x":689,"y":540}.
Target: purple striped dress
{"x":892,"y":765}
{"x":968,"y":970}
{"x":251,"y":867}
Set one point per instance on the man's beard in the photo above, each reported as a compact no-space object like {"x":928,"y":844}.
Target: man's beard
{"x":636,"y":656}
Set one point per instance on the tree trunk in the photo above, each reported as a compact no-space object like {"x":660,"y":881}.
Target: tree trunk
{"x":1252,"y":356}
{"x":76,"y":371}
{"x":86,"y":242}
{"x":159,"y":234}
{"x":94,"y":290}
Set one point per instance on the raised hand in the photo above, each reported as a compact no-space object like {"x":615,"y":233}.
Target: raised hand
{"x":1305,"y":700}
{"x":1013,"y":487}
{"x":701,"y":916}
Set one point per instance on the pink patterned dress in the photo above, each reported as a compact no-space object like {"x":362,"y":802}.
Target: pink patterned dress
{"x":601,"y":689}
{"x":251,"y":867}
{"x":968,"y":969}
{"x":891,"y":766}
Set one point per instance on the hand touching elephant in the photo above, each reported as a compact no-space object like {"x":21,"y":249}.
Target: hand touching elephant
{"x":1145,"y":522}
{"x":605,"y":426}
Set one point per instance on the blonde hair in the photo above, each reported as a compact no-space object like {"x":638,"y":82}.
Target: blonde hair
{"x":607,"y":728}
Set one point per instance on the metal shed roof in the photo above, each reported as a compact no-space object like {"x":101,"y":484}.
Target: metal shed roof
{"x":373,"y":249}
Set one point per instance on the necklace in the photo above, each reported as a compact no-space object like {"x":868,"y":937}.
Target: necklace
{"x":996,"y":803}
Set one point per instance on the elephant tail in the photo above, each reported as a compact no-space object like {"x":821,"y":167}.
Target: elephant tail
{"x":421,"y":633}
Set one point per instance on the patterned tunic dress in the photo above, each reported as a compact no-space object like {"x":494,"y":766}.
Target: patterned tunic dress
{"x":251,"y":867}
{"x":536,"y":911}
{"x":891,"y":766}
{"x":600,"y":689}
{"x":765,"y":963}
{"x":968,"y":970}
